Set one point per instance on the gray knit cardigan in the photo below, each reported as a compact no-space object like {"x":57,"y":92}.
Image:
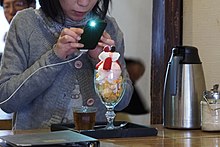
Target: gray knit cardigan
{"x":48,"y":95}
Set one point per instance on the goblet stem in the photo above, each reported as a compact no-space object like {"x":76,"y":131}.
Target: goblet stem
{"x":110,"y":116}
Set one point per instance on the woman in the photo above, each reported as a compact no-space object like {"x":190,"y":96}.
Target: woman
{"x":11,"y":7}
{"x":50,"y":36}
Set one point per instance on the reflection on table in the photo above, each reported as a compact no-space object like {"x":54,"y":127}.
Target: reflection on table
{"x":165,"y":138}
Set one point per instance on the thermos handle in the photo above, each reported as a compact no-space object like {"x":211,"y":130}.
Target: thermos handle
{"x":174,"y":68}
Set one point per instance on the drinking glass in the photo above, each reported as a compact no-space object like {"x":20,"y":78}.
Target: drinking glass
{"x":109,"y":85}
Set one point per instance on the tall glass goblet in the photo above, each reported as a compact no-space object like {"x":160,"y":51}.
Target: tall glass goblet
{"x":109,"y":85}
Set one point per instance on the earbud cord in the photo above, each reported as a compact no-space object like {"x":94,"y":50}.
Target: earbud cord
{"x":50,"y":65}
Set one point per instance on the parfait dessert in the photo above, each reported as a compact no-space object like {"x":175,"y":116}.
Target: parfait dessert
{"x":108,"y":78}
{"x":109,"y":83}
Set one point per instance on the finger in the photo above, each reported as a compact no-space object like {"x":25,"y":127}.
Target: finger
{"x":66,"y":39}
{"x":72,"y":32}
{"x":76,"y":45}
{"x":107,"y":41}
{"x":106,"y":35}
{"x":78,"y":31}
{"x":70,"y":46}
{"x":102,"y":45}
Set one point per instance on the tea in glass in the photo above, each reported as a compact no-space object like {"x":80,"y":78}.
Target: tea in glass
{"x":84,"y":117}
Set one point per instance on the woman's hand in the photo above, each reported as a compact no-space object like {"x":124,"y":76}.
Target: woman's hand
{"x":105,"y":40}
{"x":67,"y":42}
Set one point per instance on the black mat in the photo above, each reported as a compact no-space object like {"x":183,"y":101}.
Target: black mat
{"x":130,"y":130}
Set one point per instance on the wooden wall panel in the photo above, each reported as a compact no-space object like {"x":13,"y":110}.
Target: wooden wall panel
{"x":166,"y":33}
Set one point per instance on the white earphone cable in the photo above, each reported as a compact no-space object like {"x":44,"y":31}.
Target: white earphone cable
{"x":50,"y":65}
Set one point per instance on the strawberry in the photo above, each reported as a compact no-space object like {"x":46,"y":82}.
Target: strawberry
{"x":107,"y":64}
{"x":107,"y":48}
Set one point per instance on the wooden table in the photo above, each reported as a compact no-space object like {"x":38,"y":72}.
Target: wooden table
{"x":5,"y":120}
{"x":165,"y":138}
{"x":169,"y":138}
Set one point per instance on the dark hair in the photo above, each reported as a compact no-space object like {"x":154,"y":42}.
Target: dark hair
{"x":29,"y":2}
{"x":52,"y":8}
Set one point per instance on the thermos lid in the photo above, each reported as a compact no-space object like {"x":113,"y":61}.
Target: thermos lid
{"x":213,"y":93}
{"x":189,"y":53}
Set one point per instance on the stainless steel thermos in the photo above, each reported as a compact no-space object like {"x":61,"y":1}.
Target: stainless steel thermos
{"x":183,"y":89}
